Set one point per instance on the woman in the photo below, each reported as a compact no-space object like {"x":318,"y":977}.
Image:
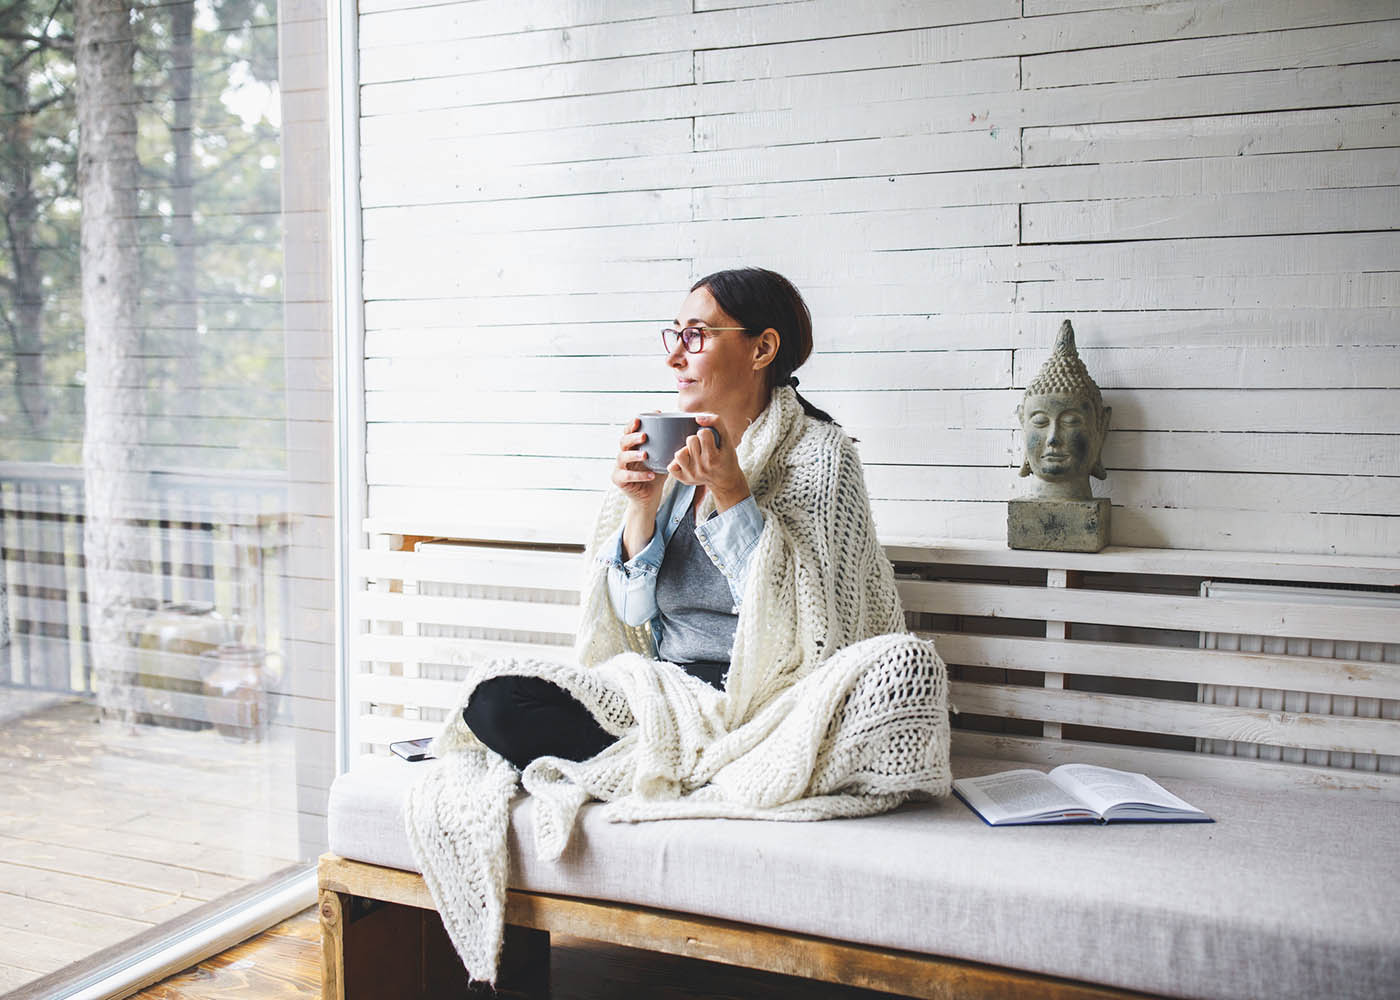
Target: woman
{"x":741,"y":650}
{"x":738,"y":337}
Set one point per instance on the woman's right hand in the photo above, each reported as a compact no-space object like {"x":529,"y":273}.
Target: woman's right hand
{"x":640,"y":485}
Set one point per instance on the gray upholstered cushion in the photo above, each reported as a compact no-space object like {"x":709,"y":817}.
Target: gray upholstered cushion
{"x":1288,"y":894}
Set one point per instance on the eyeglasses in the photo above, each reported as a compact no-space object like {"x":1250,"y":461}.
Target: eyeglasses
{"x":693,"y":337}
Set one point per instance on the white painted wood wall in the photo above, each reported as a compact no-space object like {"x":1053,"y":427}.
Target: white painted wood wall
{"x":1210,"y":191}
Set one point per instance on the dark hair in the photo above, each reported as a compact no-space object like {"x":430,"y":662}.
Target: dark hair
{"x":759,"y":299}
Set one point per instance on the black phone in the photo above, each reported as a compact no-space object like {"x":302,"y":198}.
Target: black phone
{"x":412,"y":749}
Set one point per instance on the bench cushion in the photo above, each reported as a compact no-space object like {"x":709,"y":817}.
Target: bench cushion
{"x":1288,"y":894}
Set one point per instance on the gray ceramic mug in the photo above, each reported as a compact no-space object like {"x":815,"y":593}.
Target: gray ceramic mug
{"x":666,"y":434}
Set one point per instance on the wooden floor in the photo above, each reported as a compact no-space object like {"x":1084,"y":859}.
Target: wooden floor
{"x":285,"y":962}
{"x":107,"y":830}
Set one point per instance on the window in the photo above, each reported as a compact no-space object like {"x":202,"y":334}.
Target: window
{"x":166,"y":482}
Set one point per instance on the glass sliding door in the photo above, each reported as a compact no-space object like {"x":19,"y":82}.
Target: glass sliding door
{"x":166,"y":443}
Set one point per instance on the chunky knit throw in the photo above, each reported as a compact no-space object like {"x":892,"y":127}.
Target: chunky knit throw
{"x":831,"y":708}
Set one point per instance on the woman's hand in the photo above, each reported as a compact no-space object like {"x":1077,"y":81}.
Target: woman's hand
{"x":714,"y":466}
{"x":639,"y":484}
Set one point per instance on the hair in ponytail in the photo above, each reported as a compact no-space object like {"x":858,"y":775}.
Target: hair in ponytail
{"x":759,"y":299}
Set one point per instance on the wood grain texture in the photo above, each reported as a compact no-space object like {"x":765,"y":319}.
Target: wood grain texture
{"x":824,"y":968}
{"x":1151,"y":610}
{"x":285,"y":962}
{"x":1318,"y":731}
{"x":282,"y":963}
{"x":123,"y":829}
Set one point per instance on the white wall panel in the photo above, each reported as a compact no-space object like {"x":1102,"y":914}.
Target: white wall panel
{"x":1221,"y":135}
{"x":1209,"y":191}
{"x":1331,"y":46}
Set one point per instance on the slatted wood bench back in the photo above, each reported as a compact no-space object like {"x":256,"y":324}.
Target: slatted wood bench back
{"x":1264,"y":669}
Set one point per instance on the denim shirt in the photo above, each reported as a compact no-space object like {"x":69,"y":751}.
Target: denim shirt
{"x":727,"y":538}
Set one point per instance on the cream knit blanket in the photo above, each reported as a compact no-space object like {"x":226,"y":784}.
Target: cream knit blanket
{"x":831,"y":707}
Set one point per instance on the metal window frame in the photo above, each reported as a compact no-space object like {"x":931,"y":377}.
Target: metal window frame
{"x":348,"y":336}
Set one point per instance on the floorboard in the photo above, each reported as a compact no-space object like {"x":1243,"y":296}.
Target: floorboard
{"x":124,"y":827}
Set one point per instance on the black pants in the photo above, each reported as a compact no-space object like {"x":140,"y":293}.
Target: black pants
{"x":522,"y":718}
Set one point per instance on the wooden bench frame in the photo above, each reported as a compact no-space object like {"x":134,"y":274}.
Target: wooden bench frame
{"x":942,"y":587}
{"x":411,"y":956}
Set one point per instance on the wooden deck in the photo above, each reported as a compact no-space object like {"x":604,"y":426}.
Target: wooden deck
{"x":108,"y":830}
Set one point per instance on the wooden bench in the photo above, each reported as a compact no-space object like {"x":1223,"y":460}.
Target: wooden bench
{"x":1276,"y":675}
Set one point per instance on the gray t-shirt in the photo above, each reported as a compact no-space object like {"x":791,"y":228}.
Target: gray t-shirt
{"x":694,"y":601}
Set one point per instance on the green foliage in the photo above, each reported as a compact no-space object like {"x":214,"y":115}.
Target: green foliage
{"x":209,"y":225}
{"x":40,"y":325}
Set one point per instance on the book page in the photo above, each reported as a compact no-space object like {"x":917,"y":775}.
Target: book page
{"x":1104,"y":787}
{"x":1021,"y":794}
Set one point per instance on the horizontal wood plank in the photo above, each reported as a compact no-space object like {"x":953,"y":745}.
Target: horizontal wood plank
{"x":381,"y":730}
{"x":1328,"y":45}
{"x":847,"y":371}
{"x":1357,"y":678}
{"x":1363,"y":127}
{"x":449,"y":442}
{"x":1228,"y":367}
{"x":464,"y":564}
{"x":723,"y":941}
{"x":1157,"y":715}
{"x":1361,"y":411}
{"x":468,"y":612}
{"x":1239,"y":771}
{"x":684,"y":31}
{"x":1152,"y":611}
{"x":1258,"y":214}
{"x":564,"y":516}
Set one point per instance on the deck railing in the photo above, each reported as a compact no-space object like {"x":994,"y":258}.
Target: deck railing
{"x":216,"y":544}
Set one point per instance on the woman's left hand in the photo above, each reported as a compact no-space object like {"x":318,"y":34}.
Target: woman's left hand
{"x":716,"y":467}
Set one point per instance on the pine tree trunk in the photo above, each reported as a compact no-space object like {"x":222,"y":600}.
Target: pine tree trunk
{"x":113,"y":395}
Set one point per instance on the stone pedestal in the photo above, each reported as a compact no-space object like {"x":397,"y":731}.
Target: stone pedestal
{"x":1058,"y":525}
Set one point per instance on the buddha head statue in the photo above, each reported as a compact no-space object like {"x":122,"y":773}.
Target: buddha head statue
{"x":1063,"y":423}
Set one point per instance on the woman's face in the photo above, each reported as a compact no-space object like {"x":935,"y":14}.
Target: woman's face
{"x":721,"y":378}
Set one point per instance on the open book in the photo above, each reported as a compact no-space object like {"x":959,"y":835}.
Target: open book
{"x":1073,"y":793}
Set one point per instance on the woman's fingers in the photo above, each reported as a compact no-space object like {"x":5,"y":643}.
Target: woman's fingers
{"x":685,"y":465}
{"x":700,"y":462}
{"x":638,"y":474}
{"x":711,"y":421}
{"x":629,"y":468}
{"x":638,"y":483}
{"x":631,"y":461}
